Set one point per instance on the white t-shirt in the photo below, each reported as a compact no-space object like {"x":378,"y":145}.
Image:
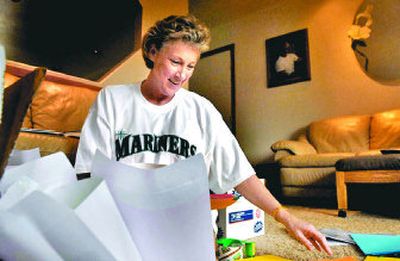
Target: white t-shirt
{"x":126,"y":127}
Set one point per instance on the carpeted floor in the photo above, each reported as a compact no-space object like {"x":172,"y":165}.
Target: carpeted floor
{"x":277,"y":242}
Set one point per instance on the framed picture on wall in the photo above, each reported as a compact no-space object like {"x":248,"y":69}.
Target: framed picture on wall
{"x":288,"y":59}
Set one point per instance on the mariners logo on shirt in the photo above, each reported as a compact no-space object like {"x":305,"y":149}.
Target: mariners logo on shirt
{"x":127,"y":144}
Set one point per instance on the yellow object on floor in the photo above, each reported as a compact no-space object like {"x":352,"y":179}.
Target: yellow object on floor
{"x":381,"y":258}
{"x":266,"y":258}
{"x":346,"y":258}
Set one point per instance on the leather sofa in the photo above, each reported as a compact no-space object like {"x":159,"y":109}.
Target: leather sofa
{"x":60,"y":105}
{"x":307,"y":164}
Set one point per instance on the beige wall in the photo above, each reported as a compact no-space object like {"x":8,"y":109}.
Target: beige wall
{"x":338,"y":85}
{"x":134,"y":69}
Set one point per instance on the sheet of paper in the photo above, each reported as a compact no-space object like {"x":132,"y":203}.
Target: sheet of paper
{"x":39,"y":228}
{"x":166,"y":210}
{"x":338,"y":235}
{"x":95,"y":207}
{"x":336,"y":243}
{"x":376,"y":244}
{"x":49,"y":172}
{"x":17,"y":191}
{"x":31,"y":246}
{"x":19,"y":157}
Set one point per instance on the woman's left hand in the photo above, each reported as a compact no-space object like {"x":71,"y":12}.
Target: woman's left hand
{"x":304,"y":232}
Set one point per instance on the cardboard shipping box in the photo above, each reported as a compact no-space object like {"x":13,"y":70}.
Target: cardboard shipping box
{"x":241,"y":220}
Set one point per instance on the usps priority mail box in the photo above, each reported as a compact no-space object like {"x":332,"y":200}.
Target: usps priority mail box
{"x":241,"y":220}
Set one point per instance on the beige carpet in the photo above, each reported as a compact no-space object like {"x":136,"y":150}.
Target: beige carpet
{"x":277,"y":242}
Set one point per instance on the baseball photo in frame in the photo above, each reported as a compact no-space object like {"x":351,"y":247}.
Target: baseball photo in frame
{"x":288,"y":59}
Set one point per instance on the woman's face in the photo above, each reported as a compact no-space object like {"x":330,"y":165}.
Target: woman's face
{"x":173,"y":66}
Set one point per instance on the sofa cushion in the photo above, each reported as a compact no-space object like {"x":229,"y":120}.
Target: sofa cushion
{"x":342,"y":134}
{"x":316,"y":177}
{"x":294,"y":147}
{"x":313,"y":160}
{"x":385,"y":130}
{"x":9,"y":79}
{"x":61,"y":107}
{"x":381,"y":162}
{"x":369,"y":153}
{"x":48,"y":144}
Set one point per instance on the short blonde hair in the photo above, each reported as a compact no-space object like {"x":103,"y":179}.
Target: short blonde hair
{"x":172,"y":28}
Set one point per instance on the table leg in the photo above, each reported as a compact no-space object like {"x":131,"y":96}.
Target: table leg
{"x":341,"y":192}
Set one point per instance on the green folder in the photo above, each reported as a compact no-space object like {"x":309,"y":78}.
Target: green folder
{"x":376,"y":244}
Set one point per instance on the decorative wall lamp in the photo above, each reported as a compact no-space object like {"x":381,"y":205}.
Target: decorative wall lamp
{"x":375,"y":38}
{"x":360,"y":31}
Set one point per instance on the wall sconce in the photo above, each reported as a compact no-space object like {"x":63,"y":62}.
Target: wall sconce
{"x":360,"y":31}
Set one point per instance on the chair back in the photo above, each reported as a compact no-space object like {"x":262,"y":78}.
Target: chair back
{"x":2,"y":70}
{"x":17,"y":99}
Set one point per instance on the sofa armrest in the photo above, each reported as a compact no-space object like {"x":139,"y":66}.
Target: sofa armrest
{"x":293,"y":147}
{"x":48,"y":144}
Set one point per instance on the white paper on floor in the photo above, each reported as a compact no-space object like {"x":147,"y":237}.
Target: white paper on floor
{"x":166,"y":210}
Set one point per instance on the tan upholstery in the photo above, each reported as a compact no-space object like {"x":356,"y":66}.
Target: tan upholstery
{"x":9,"y":79}
{"x":61,"y":107}
{"x":314,"y":160}
{"x":320,"y":177}
{"x":307,"y":165}
{"x":385,"y":130}
{"x":61,"y":104}
{"x":295,"y":147}
{"x":340,"y":134}
{"x":48,"y":144}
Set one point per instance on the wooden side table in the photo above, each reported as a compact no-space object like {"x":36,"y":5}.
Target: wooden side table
{"x":360,"y":176}
{"x":366,"y":169}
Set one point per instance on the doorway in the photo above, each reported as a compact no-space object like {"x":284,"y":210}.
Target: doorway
{"x":214,"y":78}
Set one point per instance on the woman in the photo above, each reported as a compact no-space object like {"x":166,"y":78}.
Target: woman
{"x":157,"y":121}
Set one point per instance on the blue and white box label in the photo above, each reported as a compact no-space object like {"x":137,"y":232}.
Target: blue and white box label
{"x":258,"y":227}
{"x":240,"y":216}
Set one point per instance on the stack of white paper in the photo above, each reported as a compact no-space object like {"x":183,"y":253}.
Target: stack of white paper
{"x":121,"y":213}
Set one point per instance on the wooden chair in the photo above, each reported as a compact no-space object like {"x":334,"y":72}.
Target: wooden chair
{"x":17,"y":98}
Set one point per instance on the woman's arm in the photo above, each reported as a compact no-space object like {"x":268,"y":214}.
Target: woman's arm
{"x":256,"y":192}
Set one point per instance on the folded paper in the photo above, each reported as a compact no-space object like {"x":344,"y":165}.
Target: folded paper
{"x":120,"y":213}
{"x":376,"y":244}
{"x":85,"y":208}
{"x":93,"y":204}
{"x":39,"y":228}
{"x":49,"y":172}
{"x":19,"y":157}
{"x":166,"y":210}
